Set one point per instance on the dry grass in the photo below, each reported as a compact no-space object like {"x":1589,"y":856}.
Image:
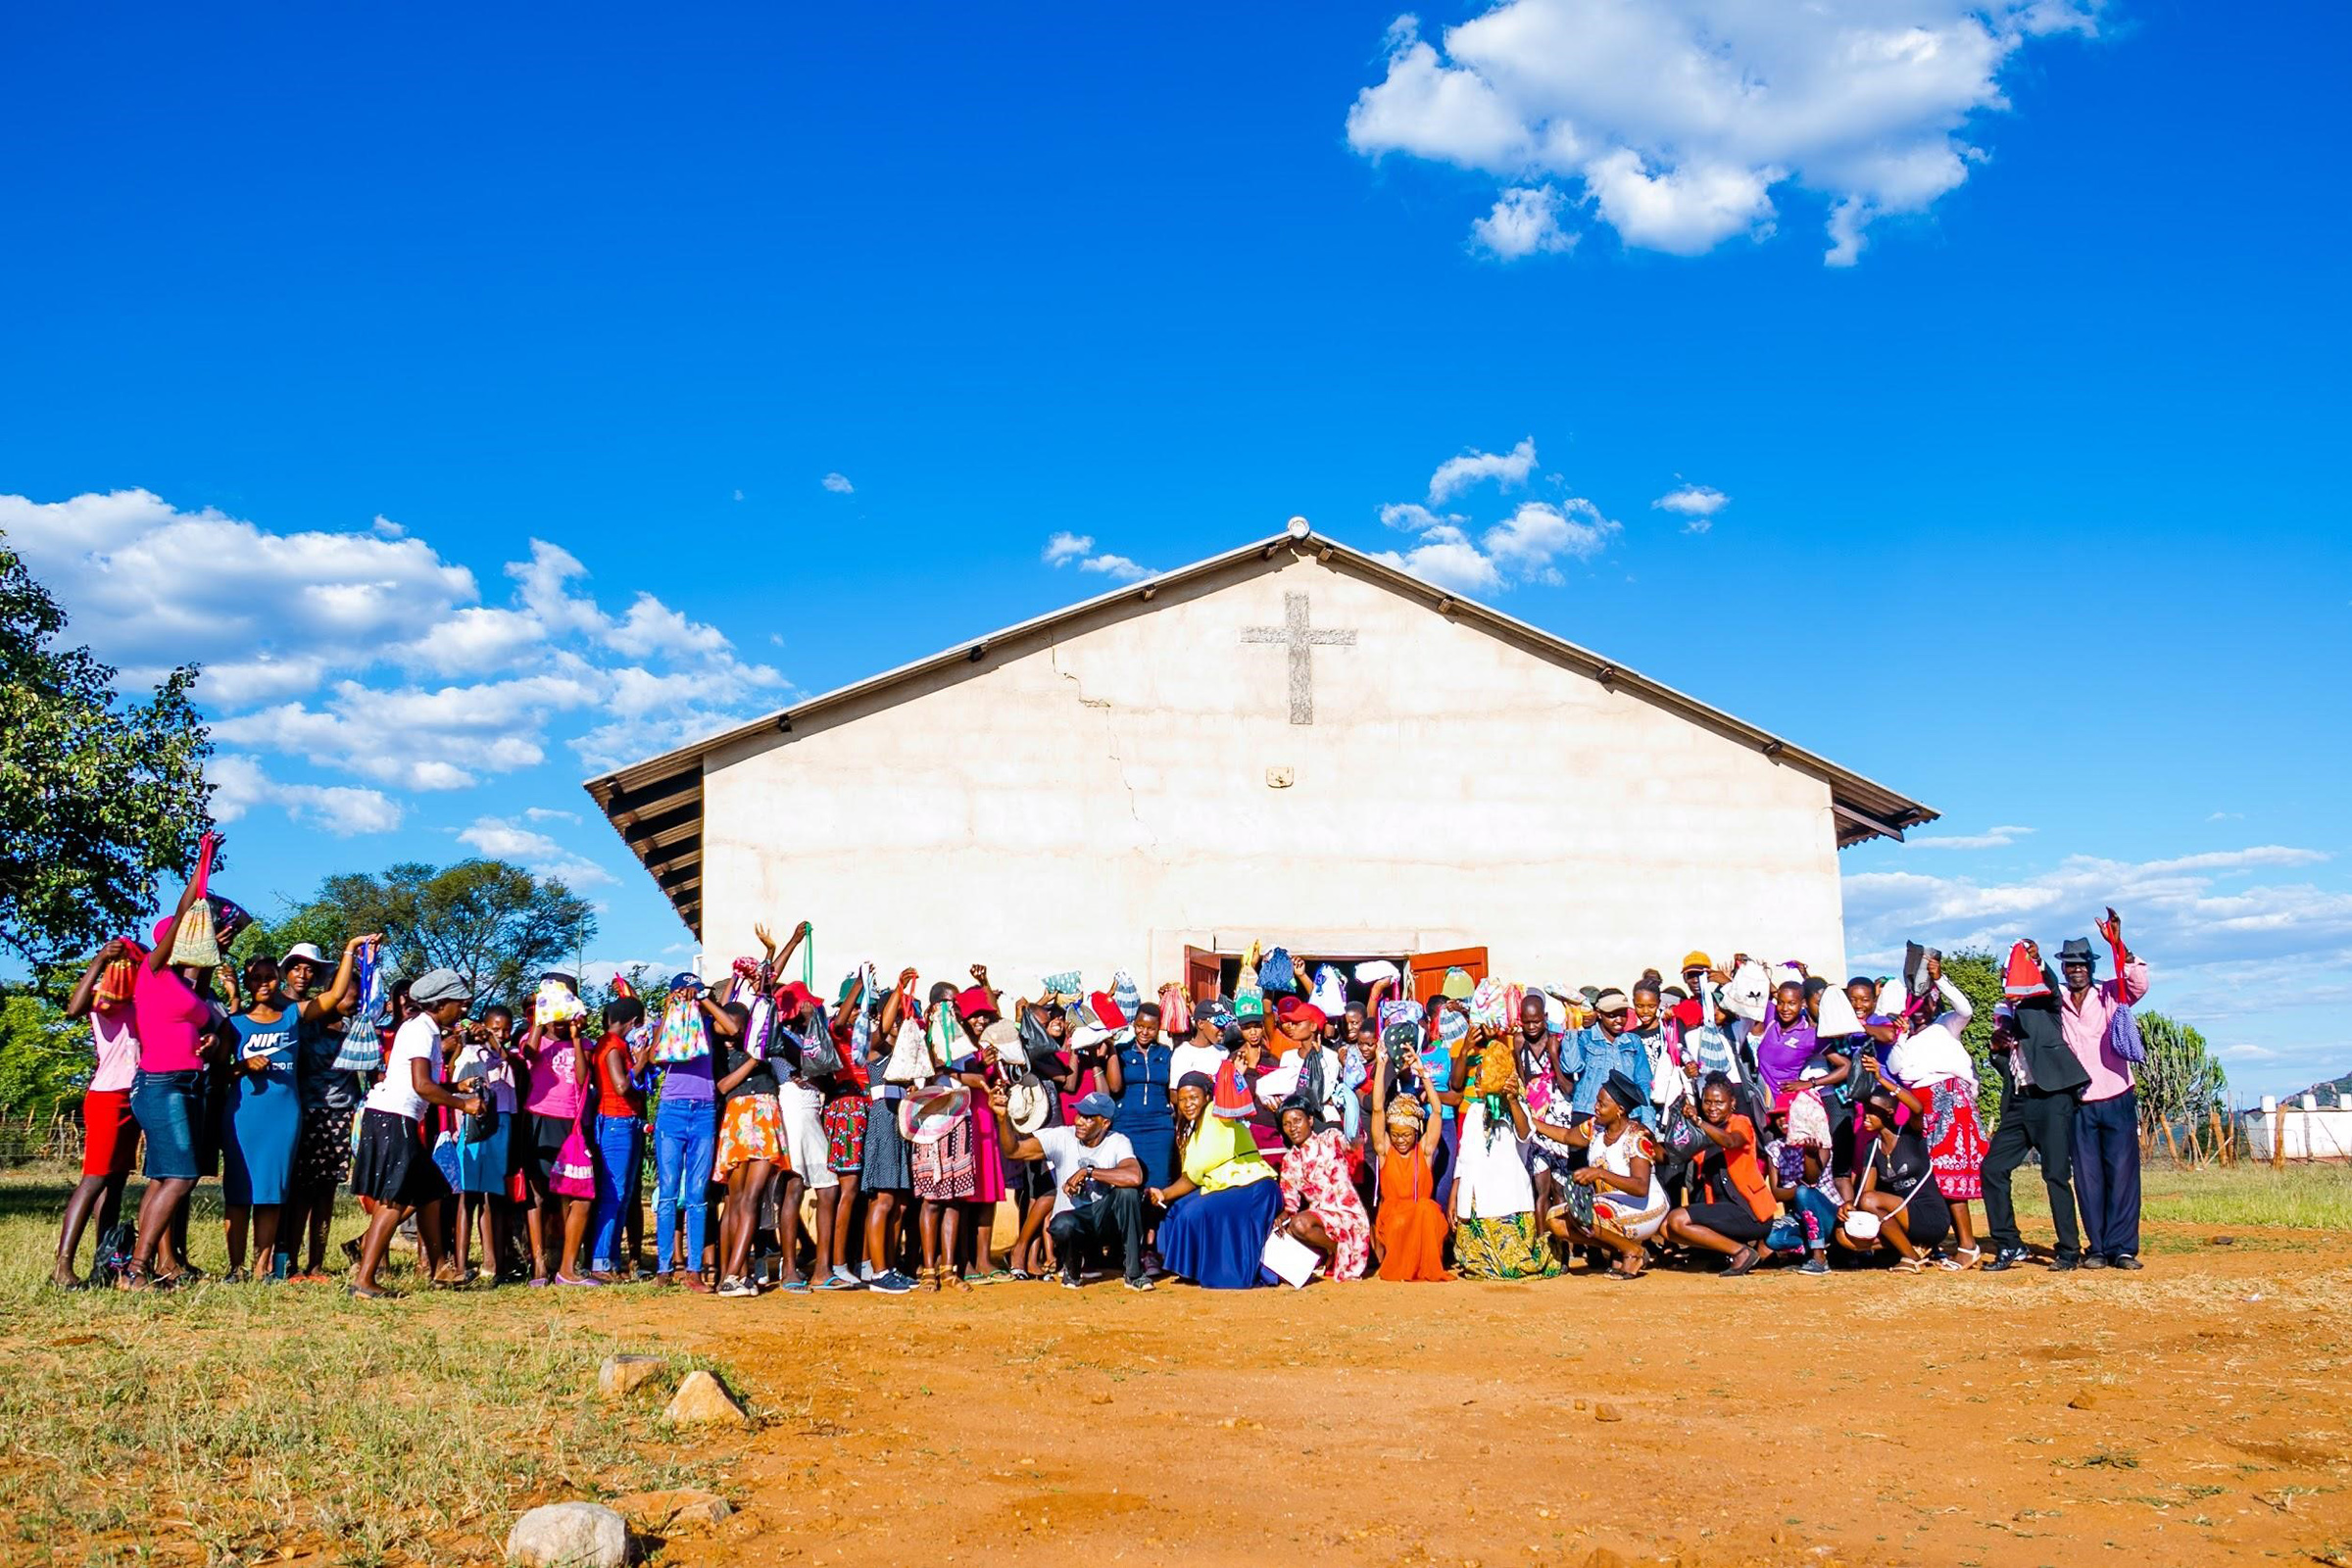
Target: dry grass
{"x":226,"y":1424}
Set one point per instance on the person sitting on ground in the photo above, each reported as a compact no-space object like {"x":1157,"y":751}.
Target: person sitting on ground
{"x":1221,"y":1207}
{"x":1797,"y":1166}
{"x":1409,"y":1227}
{"x":1319,"y":1203}
{"x":1629,"y":1203}
{"x":1098,"y":1186}
{"x":1897,"y":1189}
{"x":1735,"y":1208}
{"x":1497,"y":1234}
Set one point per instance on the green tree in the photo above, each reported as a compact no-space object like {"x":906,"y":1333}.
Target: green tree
{"x":494,"y":923}
{"x":97,"y":798}
{"x":45,"y":1058}
{"x":2181,"y":1082}
{"x":1978,"y":974}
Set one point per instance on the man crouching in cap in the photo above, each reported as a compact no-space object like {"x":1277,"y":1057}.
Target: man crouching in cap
{"x":1098,"y":1184}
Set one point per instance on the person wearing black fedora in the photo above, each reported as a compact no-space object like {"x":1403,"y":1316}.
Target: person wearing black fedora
{"x":2106,"y":1125}
{"x":2041,"y":1083}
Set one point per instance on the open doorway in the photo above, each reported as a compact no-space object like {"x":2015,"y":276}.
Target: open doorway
{"x":1209,"y":974}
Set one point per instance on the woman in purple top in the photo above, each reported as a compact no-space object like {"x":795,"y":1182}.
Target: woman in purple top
{"x":1787,"y":1042}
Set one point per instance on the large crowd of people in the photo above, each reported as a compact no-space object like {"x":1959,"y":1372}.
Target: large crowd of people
{"x":1309,"y":1125}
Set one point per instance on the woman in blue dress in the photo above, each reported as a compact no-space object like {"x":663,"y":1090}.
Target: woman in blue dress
{"x":262,"y":1118}
{"x":1137,"y":1074}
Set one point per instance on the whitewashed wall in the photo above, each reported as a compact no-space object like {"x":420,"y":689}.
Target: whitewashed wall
{"x":1101,"y":800}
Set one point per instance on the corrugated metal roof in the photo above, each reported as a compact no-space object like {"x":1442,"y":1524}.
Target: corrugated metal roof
{"x":656,"y":805}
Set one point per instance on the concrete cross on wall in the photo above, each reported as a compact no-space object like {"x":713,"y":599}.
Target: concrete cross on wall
{"x":1296,"y":635}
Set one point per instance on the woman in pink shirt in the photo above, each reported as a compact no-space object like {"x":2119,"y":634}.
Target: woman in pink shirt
{"x":109,"y":1137}
{"x":175,"y":1023}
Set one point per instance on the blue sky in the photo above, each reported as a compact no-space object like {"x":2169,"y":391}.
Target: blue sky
{"x":464,"y":389}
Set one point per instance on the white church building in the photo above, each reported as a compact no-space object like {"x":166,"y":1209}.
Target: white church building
{"x":1292,"y":743}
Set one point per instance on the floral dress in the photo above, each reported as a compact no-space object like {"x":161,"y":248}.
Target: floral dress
{"x":1314,"y":1180}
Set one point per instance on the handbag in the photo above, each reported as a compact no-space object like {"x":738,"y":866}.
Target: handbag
{"x":1277,"y":974}
{"x":820,"y":1057}
{"x":1578,"y":1202}
{"x":1682,"y":1136}
{"x":2122,"y":1036}
{"x":194,"y":943}
{"x":363,"y":1047}
{"x":910,"y":1050}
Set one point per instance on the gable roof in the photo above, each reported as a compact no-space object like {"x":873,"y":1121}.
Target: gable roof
{"x":656,"y":805}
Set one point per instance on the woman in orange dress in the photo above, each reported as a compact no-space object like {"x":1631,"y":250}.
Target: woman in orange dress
{"x":1408,"y":1229}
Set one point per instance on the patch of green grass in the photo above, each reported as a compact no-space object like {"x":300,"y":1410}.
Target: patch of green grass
{"x":2302,"y":1197}
{"x":219,"y":1423}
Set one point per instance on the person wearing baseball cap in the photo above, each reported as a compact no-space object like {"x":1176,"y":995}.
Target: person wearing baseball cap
{"x":1602,"y":1047}
{"x":392,"y":1167}
{"x":1098,"y":1184}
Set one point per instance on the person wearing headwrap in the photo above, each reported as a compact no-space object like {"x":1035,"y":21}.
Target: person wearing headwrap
{"x":1410,"y":1229}
{"x":1221,"y":1206}
{"x":1319,"y":1202}
{"x":1497,"y":1234}
{"x":1629,"y":1202}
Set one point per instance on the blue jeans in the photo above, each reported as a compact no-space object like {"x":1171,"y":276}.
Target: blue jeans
{"x":619,"y":1148}
{"x":685,"y":1145}
{"x":1817,"y":1212}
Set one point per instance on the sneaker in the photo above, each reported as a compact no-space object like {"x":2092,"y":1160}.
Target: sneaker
{"x":2095,"y":1260}
{"x":235,"y":1276}
{"x":1814,"y":1264}
{"x":736,"y":1287}
{"x":890,"y":1282}
{"x":1072,"y":1282}
{"x":1140,"y":1283}
{"x":2125,"y":1260}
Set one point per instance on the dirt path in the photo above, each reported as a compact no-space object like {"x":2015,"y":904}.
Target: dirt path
{"x":2194,"y":1413}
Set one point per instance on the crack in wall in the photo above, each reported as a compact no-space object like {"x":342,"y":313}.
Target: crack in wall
{"x":1110,"y":731}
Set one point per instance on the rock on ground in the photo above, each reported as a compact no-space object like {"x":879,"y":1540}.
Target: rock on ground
{"x":626,"y":1374}
{"x":656,"y":1511}
{"x":570,"y":1535}
{"x":701,"y":1399}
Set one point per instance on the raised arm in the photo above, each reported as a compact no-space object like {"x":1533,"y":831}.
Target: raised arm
{"x":161,"y":958}
{"x":85,"y":989}
{"x":330,"y":1000}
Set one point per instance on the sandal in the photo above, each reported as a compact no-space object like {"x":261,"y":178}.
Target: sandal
{"x":1966,"y":1258}
{"x":1909,"y":1265}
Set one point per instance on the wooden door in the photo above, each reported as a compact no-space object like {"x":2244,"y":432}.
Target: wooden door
{"x":1429,"y":968}
{"x":1203,"y":972}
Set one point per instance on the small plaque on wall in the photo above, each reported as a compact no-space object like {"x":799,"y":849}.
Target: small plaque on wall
{"x":1280,"y":778}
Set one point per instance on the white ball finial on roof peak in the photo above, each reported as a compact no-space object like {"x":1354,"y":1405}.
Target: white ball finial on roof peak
{"x":1297,"y":527}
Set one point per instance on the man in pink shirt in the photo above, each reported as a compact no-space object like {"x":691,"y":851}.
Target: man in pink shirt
{"x":2106,"y":1130}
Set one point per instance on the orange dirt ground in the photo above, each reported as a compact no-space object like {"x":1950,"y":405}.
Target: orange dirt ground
{"x":2194,"y":1412}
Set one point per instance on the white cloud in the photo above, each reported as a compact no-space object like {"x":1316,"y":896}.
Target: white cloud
{"x":1525,"y":221}
{"x":1992,"y":838}
{"x":1119,"y":569}
{"x":2190,"y":909}
{"x":2227,"y":816}
{"x":1696,"y":504}
{"x":1064,"y":548}
{"x":838,"y":483}
{"x":739,"y":495}
{"x":500,"y":839}
{"x":1524,"y":547}
{"x":1507,"y":468}
{"x":239,"y":784}
{"x":1679,"y":119}
{"x":1414,"y":517}
{"x":149,"y":586}
{"x":1446,"y":557}
{"x":548,"y":814}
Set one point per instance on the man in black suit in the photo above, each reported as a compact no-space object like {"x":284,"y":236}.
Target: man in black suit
{"x":2041,"y":1080}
